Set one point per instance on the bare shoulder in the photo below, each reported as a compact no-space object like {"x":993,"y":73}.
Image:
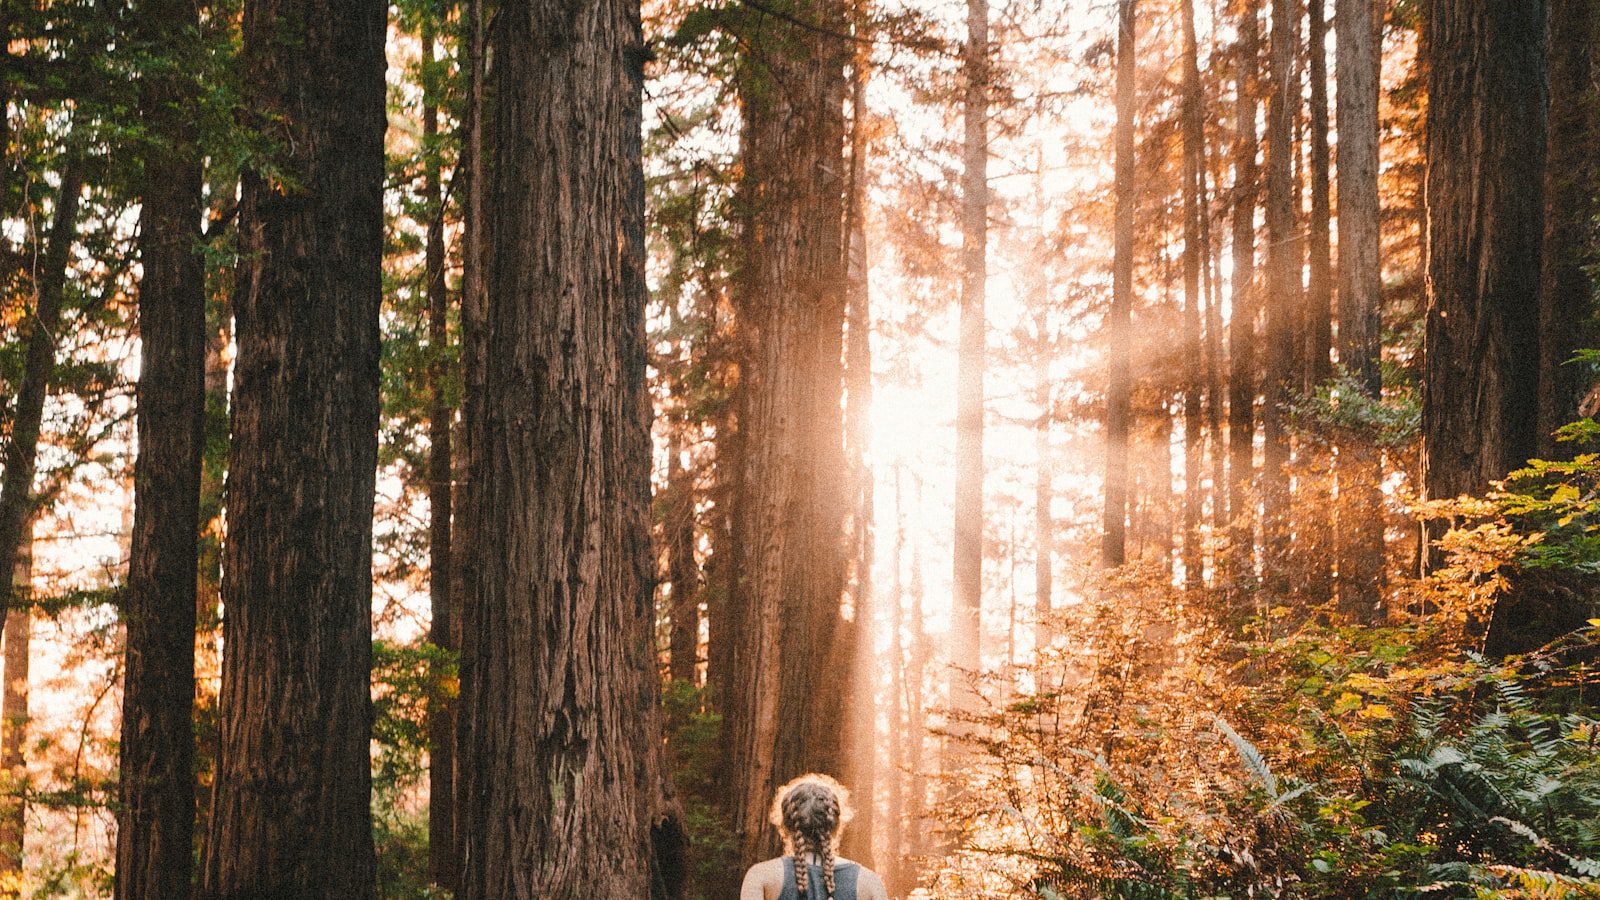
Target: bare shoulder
{"x":869,"y":886}
{"x":763,"y":881}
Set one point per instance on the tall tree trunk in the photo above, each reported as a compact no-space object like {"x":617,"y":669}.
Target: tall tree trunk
{"x":27,"y":411}
{"x":558,"y":759}
{"x":1195,"y":252}
{"x":862,"y":763}
{"x":1572,"y":204}
{"x":441,"y":466}
{"x":1119,"y":322}
{"x":1283,"y":296}
{"x":893,"y":865}
{"x":155,"y":825}
{"x":1313,"y":543}
{"x":291,"y":814}
{"x":471,"y":174}
{"x":1243,"y":373}
{"x":683,"y":576}
{"x":790,"y":550}
{"x":14,"y":716}
{"x":967,"y":622}
{"x":1486,"y":129}
{"x":1044,"y":526}
{"x":1360,"y":468}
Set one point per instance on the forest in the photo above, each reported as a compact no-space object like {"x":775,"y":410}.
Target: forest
{"x":487,"y":449}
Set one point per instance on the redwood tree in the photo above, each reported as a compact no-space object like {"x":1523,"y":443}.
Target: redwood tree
{"x":1485,"y":141}
{"x":1119,"y":389}
{"x":155,"y":825}
{"x":1572,"y":201}
{"x":557,"y":750}
{"x":291,"y":813}
{"x":785,"y":712}
{"x":1360,"y":529}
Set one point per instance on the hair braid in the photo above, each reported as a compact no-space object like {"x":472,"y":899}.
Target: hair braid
{"x":802,"y":869}
{"x":827,"y":868}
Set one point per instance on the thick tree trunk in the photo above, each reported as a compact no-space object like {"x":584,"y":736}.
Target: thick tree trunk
{"x":785,"y":714}
{"x":1360,"y":469}
{"x":1195,"y":252}
{"x":1572,"y":203}
{"x":291,"y":812}
{"x":557,"y":758}
{"x":155,"y":825}
{"x":27,"y":412}
{"x":14,"y":717}
{"x":1243,"y":372}
{"x":1119,"y":322}
{"x":441,"y":472}
{"x":1486,"y":129}
{"x":1283,"y":296}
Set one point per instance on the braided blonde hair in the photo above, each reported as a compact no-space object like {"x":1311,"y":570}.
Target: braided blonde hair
{"x":811,"y":812}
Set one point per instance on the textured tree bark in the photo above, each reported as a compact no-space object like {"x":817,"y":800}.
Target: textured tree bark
{"x":1360,"y":469}
{"x":1243,"y":372}
{"x":291,"y":811}
{"x":1485,"y":135}
{"x":1283,"y":297}
{"x":155,"y":825}
{"x":27,"y":412}
{"x":1572,"y":202}
{"x":471,"y":175}
{"x":893,"y":866}
{"x":1119,"y":322}
{"x":785,"y":712}
{"x":1195,"y":252}
{"x":557,"y":762}
{"x":14,"y":716}
{"x":441,"y":470}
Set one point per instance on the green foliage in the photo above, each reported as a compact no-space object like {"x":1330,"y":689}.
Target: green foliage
{"x":694,"y":731}
{"x":405,"y":678}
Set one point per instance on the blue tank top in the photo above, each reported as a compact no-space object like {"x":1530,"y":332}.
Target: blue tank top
{"x":844,"y":882}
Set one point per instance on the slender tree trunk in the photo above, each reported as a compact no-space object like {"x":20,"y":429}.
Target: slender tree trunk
{"x":1243,"y":372}
{"x":683,"y":576}
{"x":1360,"y":469}
{"x":1119,"y":322}
{"x":471,"y":173}
{"x":155,"y":825}
{"x":557,"y":759}
{"x":27,"y":411}
{"x":1044,"y":530}
{"x":1283,"y":296}
{"x":1313,"y":542}
{"x":917,"y":709}
{"x":291,"y":814}
{"x":441,"y":465}
{"x":1572,"y":204}
{"x":790,"y":551}
{"x":14,"y":716}
{"x":967,"y":624}
{"x":899,"y":701}
{"x":862,"y":763}
{"x":1194,"y":257}
{"x":1486,"y":131}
